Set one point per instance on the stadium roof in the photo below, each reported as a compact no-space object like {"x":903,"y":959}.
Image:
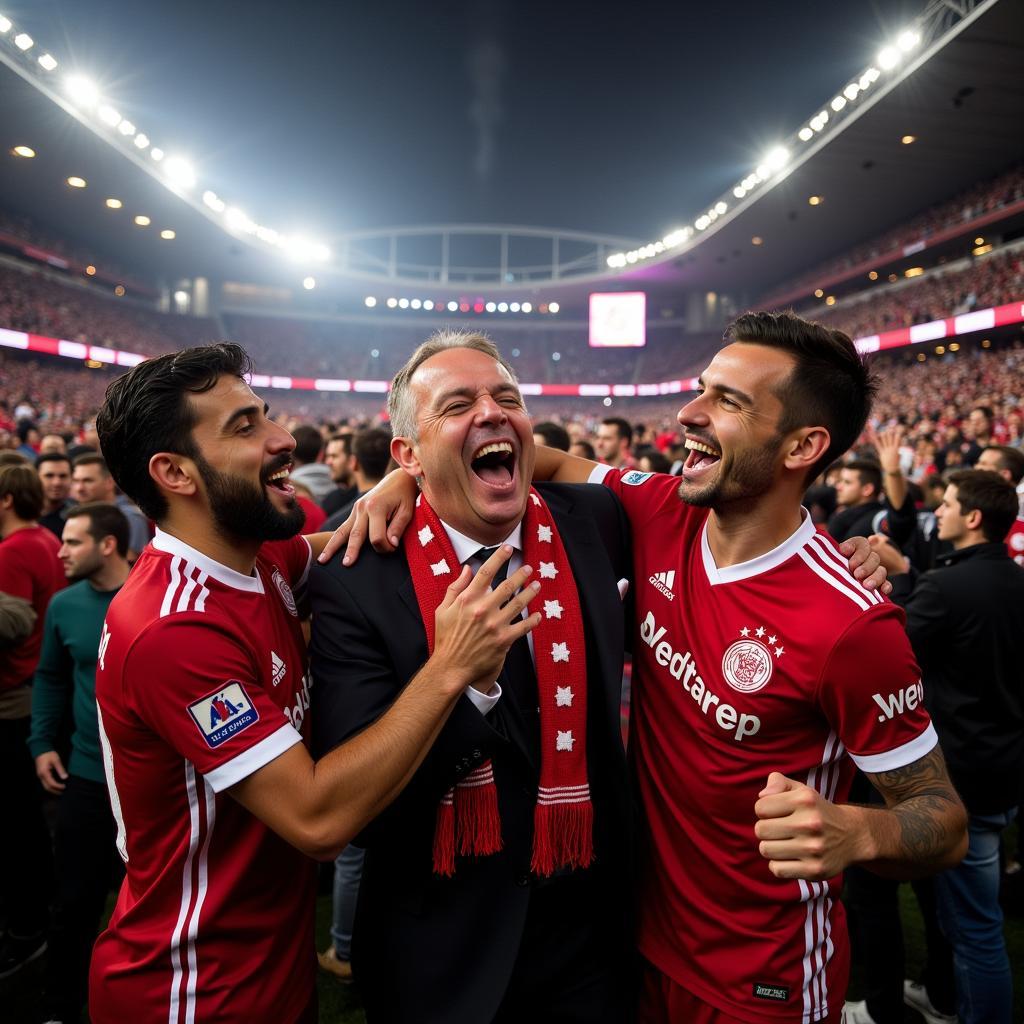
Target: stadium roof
{"x":963,"y":106}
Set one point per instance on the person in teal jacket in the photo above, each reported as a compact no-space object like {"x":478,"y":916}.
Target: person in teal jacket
{"x":93,"y":550}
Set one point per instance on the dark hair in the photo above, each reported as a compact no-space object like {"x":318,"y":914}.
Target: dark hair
{"x":869,"y":472}
{"x":309,"y":443}
{"x":621,"y":425}
{"x":986,"y":411}
{"x":659,"y":463}
{"x":1010,"y":459}
{"x":994,"y":497}
{"x":92,"y":459}
{"x":51,"y":457}
{"x":372,"y":449}
{"x":830,"y":385}
{"x":554,"y":434}
{"x":345,"y":437}
{"x":9,"y":458}
{"x":24,"y":428}
{"x":587,"y":447}
{"x":22,"y":483}
{"x":148,"y":411}
{"x":105,"y":520}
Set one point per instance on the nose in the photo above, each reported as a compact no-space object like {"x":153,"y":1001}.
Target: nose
{"x":693,"y":414}
{"x":489,"y":411}
{"x":279,"y":439}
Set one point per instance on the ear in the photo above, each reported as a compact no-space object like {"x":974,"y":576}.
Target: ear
{"x":973,"y":519}
{"x":108,"y":545}
{"x":403,"y":451}
{"x":174,"y":474}
{"x":805,"y":447}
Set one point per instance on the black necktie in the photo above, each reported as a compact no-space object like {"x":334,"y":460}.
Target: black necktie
{"x":518,"y":678}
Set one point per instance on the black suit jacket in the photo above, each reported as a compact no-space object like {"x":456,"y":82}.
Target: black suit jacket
{"x":437,"y":949}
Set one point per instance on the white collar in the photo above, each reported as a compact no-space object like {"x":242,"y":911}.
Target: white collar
{"x":172,"y":545}
{"x":465,"y":547}
{"x":762,"y":563}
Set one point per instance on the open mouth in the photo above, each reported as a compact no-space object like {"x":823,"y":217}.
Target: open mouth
{"x":701,"y":455}
{"x":278,"y":480}
{"x":495,"y":464}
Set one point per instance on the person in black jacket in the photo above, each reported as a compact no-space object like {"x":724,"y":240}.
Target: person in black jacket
{"x":965,"y":619}
{"x":444,"y":935}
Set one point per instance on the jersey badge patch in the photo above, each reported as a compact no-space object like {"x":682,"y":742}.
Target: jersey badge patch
{"x":748,"y":663}
{"x":285,"y":591}
{"x":224,"y":713}
{"x":635,"y":478}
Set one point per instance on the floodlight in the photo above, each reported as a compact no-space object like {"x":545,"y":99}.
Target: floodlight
{"x":416,"y":303}
{"x":157,"y":153}
{"x":268,"y":235}
{"x":502,"y":307}
{"x":554,"y":307}
{"x":428,"y":303}
{"x":114,"y":204}
{"x":5,"y":24}
{"x":309,"y":283}
{"x":75,"y":182}
{"x":213,"y":201}
{"x":180,"y":297}
{"x":370,"y":301}
{"x":632,"y":257}
{"x":721,"y":207}
{"x":108,"y":115}
{"x":888,"y":58}
{"x":403,"y":303}
{"x":142,"y":220}
{"x":26,"y":151}
{"x":701,"y":223}
{"x":81,"y":90}
{"x":806,"y":134}
{"x":513,"y":307}
{"x":527,"y":307}
{"x":24,"y":41}
{"x":838,"y":103}
{"x":850,"y":92}
{"x":392,"y":303}
{"x":48,"y":62}
{"x":141,"y":141}
{"x":126,"y":128}
{"x":167,"y":234}
{"x":180,"y":172}
{"x":239,"y":221}
{"x":907,"y":40}
{"x":491,"y":307}
{"x":453,"y":306}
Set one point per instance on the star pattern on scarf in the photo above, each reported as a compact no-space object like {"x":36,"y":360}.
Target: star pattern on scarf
{"x":440,"y":568}
{"x":560,"y":652}
{"x":564,"y":740}
{"x":563,"y":696}
{"x":548,"y":570}
{"x":426,"y":535}
{"x":553,"y":609}
{"x":544,"y":534}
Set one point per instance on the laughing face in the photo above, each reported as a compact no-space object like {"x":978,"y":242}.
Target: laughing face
{"x":732,"y":436}
{"x":474,"y":451}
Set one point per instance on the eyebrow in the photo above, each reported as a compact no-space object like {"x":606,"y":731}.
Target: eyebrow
{"x":469,"y":392}
{"x":725,"y":389}
{"x":248,"y":410}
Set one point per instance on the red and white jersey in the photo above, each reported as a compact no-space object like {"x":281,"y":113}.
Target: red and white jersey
{"x":201,"y":680}
{"x":784,"y":663}
{"x":1015,"y":540}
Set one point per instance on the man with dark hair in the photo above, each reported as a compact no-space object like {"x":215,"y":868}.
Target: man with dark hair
{"x":54,"y":471}
{"x":202,"y":697}
{"x":91,"y":481}
{"x":28,"y":436}
{"x":859,"y":499}
{"x":94,"y":552}
{"x":338,"y":459}
{"x":614,"y":437}
{"x":1008,"y":463}
{"x":30,"y":575}
{"x":554,"y":435}
{"x":760,"y":660}
{"x":498,"y":885}
{"x":583,"y":449}
{"x":965,"y":619}
{"x":371,"y":456}
{"x":979,"y":430}
{"x":309,"y":470}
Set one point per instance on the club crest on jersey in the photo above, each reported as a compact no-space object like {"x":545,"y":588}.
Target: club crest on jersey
{"x":285,"y":591}
{"x":747,"y":664}
{"x":224,"y":713}
{"x":635,"y":478}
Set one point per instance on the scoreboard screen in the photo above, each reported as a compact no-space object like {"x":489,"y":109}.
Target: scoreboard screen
{"x":618,"y":319}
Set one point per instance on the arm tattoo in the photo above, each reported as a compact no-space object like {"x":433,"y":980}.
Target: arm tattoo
{"x":926,"y":806}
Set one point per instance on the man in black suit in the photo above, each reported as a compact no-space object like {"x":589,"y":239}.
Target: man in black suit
{"x":513,"y":934}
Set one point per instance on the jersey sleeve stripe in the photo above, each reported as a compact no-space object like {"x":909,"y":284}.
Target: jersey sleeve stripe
{"x":813,"y":563}
{"x":190,"y":585}
{"x":898,"y":757}
{"x":172,"y":586}
{"x":177,"y":965}
{"x":191,"y":984}
{"x":301,"y":582}
{"x":251,"y":760}
{"x":829,"y":552}
{"x":598,"y":473}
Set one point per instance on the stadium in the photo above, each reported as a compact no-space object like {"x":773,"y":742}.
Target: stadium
{"x":893,"y":211}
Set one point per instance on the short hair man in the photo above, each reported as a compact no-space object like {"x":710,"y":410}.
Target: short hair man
{"x":202,"y":698}
{"x":338,"y":459}
{"x":979,"y":429}
{"x":309,"y":470}
{"x":859,"y":497}
{"x":371,"y":456}
{"x":94,"y":552}
{"x":1008,"y":463}
{"x":91,"y":480}
{"x":965,"y":619}
{"x":469,"y":910}
{"x":554,"y":435}
{"x":614,"y":437}
{"x":54,"y":469}
{"x":30,"y":575}
{"x":759,"y":662}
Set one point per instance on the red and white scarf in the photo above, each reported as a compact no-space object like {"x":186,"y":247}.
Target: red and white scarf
{"x":468,"y":816}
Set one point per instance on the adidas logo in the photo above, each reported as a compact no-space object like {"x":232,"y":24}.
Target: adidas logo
{"x":278,"y":668}
{"x":664,"y":581}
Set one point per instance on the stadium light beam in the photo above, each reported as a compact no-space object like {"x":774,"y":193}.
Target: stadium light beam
{"x":48,"y":62}
{"x":109,"y":116}
{"x":23,"y":41}
{"x":81,"y":90}
{"x":908,"y":39}
{"x":180,"y":172}
{"x":888,"y":58}
{"x":5,"y":24}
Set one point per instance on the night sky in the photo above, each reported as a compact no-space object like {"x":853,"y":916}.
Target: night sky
{"x":325,"y":117}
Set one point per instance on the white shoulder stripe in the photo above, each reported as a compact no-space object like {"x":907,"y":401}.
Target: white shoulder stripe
{"x":818,"y":569}
{"x":843,"y":567}
{"x":172,"y":586}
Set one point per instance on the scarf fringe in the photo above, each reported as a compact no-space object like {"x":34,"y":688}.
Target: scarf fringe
{"x":563,"y":836}
{"x":444,"y":837}
{"x":479,"y":821}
